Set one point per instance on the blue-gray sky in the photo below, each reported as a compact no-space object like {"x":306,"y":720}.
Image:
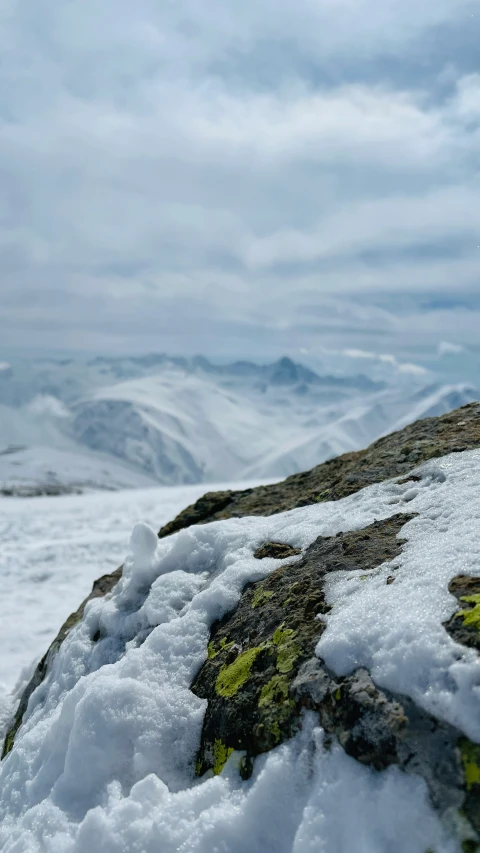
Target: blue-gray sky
{"x":239,"y":178}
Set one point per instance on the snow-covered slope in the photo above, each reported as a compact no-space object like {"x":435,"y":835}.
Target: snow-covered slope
{"x":105,"y":759}
{"x":44,"y":470}
{"x":139,"y":421}
{"x":38,"y":454}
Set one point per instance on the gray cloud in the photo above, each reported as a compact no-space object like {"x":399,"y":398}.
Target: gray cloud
{"x":236,"y":178}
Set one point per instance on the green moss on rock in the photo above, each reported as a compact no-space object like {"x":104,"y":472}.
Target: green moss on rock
{"x":211,"y":653}
{"x":248,"y":685}
{"x":274,"y":692}
{"x":221,"y":754}
{"x":276,"y":732}
{"x":282,"y":636}
{"x":232,"y":677}
{"x":471,"y":617}
{"x":260,"y":596}
{"x":287,"y":650}
{"x":471,"y":762}
{"x":224,"y":646}
{"x":464,"y":625}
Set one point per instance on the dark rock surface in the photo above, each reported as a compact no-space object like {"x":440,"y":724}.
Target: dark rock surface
{"x":277,"y":550}
{"x":256,"y":652}
{"x":393,"y":456}
{"x":380,"y":729}
{"x":262,"y":670}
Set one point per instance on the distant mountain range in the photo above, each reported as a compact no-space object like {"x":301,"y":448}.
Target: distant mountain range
{"x":140,"y":421}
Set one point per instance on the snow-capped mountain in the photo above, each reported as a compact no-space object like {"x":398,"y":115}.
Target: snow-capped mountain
{"x":129,"y":422}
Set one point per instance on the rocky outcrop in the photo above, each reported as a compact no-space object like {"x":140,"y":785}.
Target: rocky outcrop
{"x":262,"y":670}
{"x":257,"y":652}
{"x":393,"y":456}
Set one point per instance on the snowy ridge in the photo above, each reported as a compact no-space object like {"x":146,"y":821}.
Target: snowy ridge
{"x":113,"y":423}
{"x":105,"y":758}
{"x":436,"y":401}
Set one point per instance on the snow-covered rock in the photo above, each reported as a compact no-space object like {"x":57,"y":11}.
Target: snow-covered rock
{"x":302,"y":678}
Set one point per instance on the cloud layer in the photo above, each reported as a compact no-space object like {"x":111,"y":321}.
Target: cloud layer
{"x":234,"y":178}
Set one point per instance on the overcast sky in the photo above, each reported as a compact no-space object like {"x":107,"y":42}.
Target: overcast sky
{"x":237,"y":177}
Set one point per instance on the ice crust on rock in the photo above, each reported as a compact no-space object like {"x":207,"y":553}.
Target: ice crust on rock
{"x":105,"y":757}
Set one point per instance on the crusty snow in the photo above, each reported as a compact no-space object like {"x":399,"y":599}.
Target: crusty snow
{"x":104,"y":760}
{"x":53,"y":548}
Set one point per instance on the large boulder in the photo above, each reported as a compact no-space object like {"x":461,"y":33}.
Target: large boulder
{"x":278,"y":656}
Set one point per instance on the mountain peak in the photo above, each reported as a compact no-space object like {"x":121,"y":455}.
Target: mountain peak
{"x":287,"y":372}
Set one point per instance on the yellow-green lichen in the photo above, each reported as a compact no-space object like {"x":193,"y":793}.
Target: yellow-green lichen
{"x":9,"y":742}
{"x":232,"y":677}
{"x":276,"y":705}
{"x":470,"y":753}
{"x":472,"y":615}
{"x":287,"y":650}
{"x":338,"y":694}
{"x":283,"y":635}
{"x":220,"y":754}
{"x":287,"y":655}
{"x":277,"y":735}
{"x":275,"y":691}
{"x":223,"y":646}
{"x":260,"y":596}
